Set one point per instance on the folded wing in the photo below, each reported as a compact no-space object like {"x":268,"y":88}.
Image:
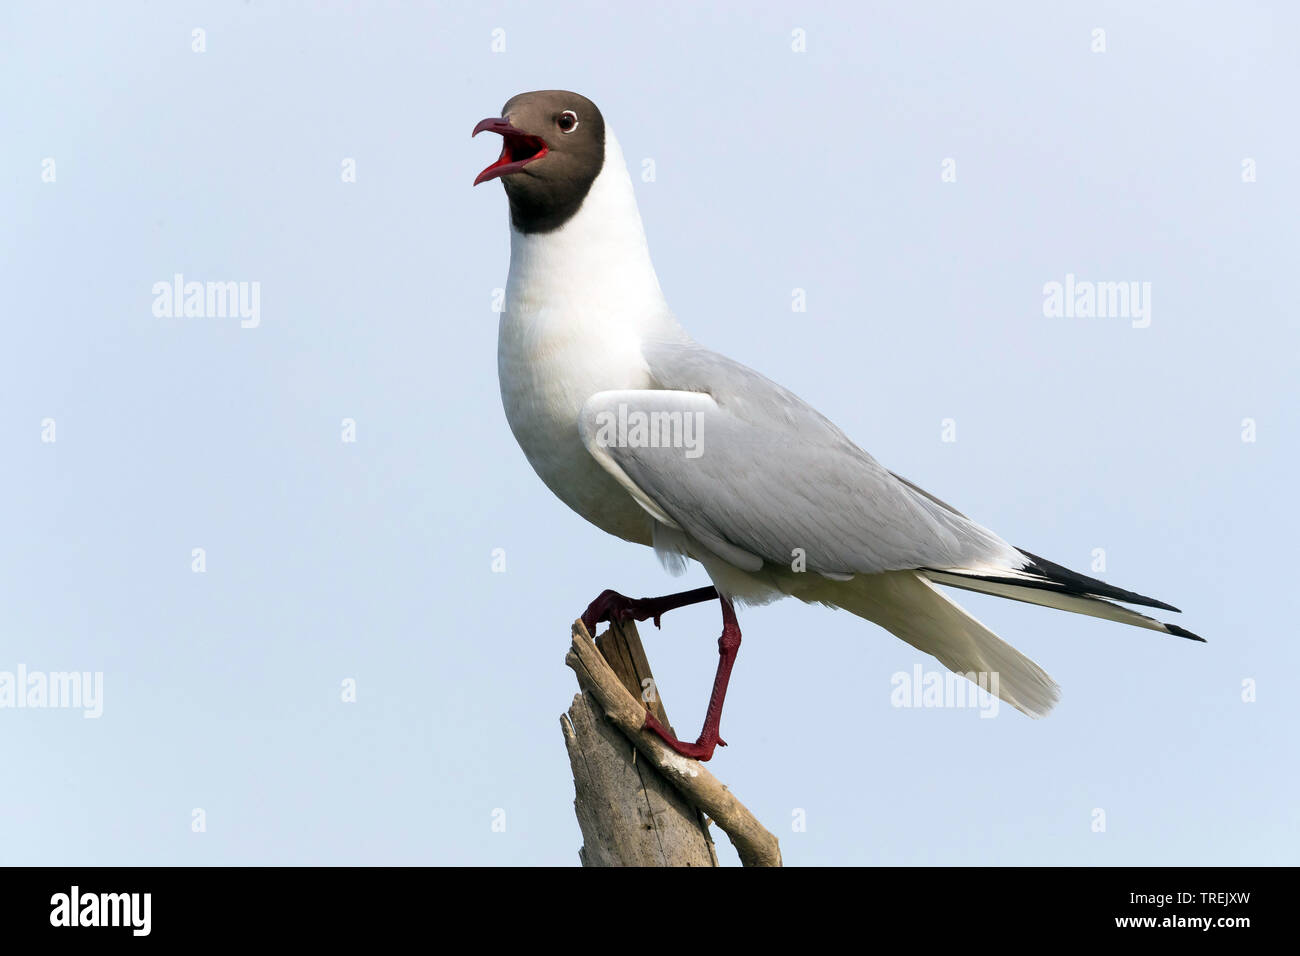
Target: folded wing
{"x":752,"y":472}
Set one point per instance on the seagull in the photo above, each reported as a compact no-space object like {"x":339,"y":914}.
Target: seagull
{"x":662,"y":442}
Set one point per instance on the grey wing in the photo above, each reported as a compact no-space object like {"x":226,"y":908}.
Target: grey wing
{"x":753,"y":473}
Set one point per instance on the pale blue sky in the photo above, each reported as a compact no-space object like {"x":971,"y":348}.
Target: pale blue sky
{"x":775,"y":170}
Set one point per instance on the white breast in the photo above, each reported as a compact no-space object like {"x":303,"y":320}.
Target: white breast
{"x":546,"y":374}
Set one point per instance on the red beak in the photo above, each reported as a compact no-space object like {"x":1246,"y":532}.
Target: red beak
{"x":517,"y":149}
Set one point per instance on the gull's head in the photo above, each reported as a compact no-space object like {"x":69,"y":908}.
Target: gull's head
{"x":553,"y":147}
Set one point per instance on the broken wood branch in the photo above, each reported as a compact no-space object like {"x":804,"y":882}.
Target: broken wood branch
{"x":619,"y":698}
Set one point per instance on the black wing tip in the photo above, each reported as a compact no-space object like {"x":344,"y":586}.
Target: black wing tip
{"x":1077,"y":583}
{"x":1177,"y":631}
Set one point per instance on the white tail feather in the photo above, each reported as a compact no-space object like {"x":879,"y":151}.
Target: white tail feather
{"x":910,"y":607}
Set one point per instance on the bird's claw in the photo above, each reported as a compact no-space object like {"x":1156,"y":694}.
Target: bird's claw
{"x":608,"y":606}
{"x":701,"y":750}
{"x":612,"y":606}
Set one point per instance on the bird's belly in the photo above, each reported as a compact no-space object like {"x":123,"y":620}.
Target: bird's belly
{"x":545,"y":379}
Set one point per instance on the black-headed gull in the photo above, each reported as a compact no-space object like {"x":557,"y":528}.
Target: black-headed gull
{"x":662,"y":442}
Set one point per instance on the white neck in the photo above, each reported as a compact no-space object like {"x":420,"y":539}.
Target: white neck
{"x":596,"y":264}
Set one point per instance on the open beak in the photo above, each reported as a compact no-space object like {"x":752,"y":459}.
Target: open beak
{"x":517,"y":149}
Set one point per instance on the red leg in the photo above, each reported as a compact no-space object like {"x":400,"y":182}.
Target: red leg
{"x":728,"y":645}
{"x":611,"y":605}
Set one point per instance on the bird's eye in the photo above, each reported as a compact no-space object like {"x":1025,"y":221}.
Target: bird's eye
{"x":568,"y":121}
